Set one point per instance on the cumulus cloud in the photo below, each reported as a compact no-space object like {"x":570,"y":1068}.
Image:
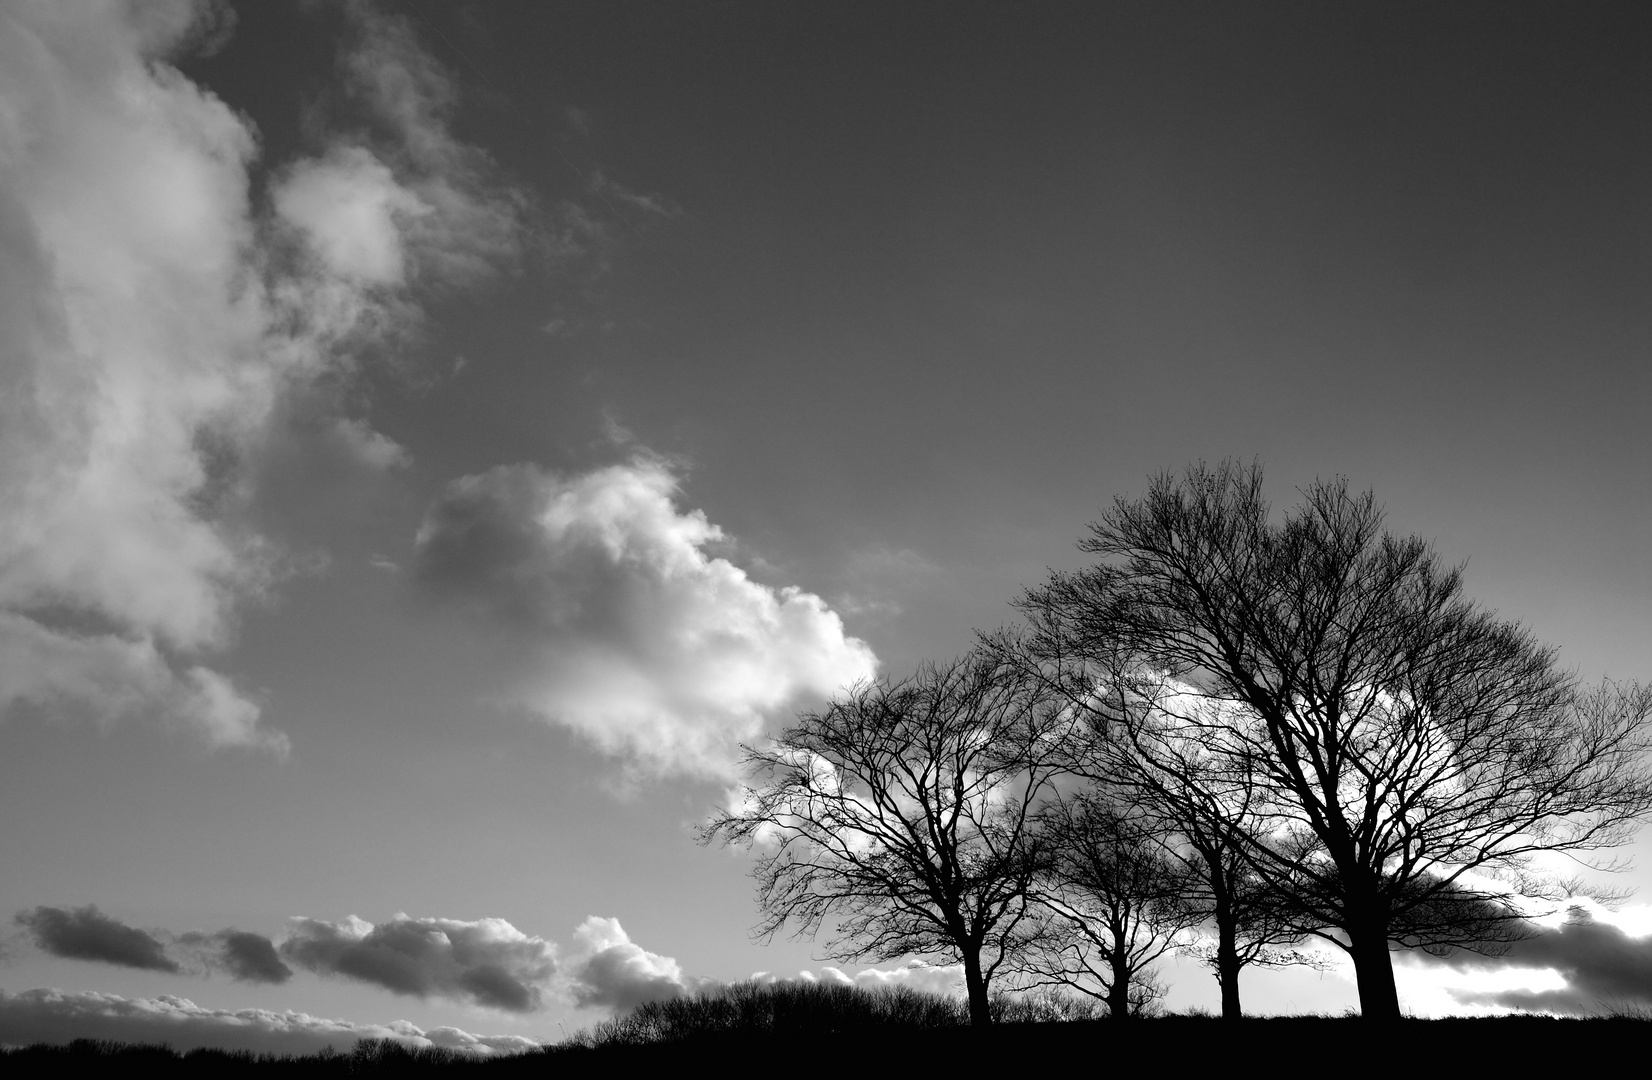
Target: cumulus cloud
{"x":59,"y":1016}
{"x":606,"y":969}
{"x":1603,"y":966}
{"x":630,"y":631}
{"x":154,"y":317}
{"x":88,"y":934}
{"x":486,"y":962}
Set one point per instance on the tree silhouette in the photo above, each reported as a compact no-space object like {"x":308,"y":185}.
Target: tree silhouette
{"x":905,"y":812}
{"x":1406,"y":752}
{"x":1115,"y":898}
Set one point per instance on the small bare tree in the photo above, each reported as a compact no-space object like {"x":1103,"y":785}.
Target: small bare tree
{"x":1200,"y":807}
{"x":1116,"y":901}
{"x":905,"y":812}
{"x":1410,"y":752}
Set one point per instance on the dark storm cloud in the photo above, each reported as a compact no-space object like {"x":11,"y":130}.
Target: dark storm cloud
{"x":1603,"y":966}
{"x":88,"y":934}
{"x":488,"y":962}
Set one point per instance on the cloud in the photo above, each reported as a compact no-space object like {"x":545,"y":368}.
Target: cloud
{"x":155,"y":318}
{"x":112,"y":677}
{"x":88,"y":934}
{"x":246,"y":956}
{"x":487,"y":962}
{"x":607,"y":969}
{"x":943,"y":980}
{"x":1603,"y":965}
{"x":60,"y":1016}
{"x":628,"y":630}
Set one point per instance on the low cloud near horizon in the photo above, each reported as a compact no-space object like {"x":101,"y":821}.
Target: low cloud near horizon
{"x":85,"y":933}
{"x":624,"y":626}
{"x":1605,"y":966}
{"x":485,"y":962}
{"x":482,"y":962}
{"x":61,"y":1016}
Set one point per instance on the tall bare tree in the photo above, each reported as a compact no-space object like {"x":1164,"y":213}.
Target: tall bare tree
{"x":905,"y":813}
{"x":1409,"y":753}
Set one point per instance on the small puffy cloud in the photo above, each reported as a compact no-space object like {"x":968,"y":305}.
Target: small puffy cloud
{"x":486,"y":962}
{"x":606,"y":969}
{"x":627,"y":629}
{"x":1602,"y":965}
{"x":348,"y":205}
{"x":59,"y":1016}
{"x":88,"y":934}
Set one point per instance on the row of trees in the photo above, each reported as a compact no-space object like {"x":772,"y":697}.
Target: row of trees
{"x":1265,"y":730}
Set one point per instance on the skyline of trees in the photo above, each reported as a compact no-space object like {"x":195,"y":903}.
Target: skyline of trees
{"x":1279,"y":727}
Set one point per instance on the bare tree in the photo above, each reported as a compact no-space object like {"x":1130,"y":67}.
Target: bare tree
{"x":1198,"y":804}
{"x":1253,"y":927}
{"x":1116,"y":901}
{"x":1409,"y":752}
{"x":905,"y":813}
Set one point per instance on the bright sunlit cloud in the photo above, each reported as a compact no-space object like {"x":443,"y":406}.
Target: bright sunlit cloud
{"x":155,"y":317}
{"x":629,"y":631}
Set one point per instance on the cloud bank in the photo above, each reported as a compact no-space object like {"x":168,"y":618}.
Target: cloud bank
{"x":156,"y":318}
{"x":629,"y":631}
{"x":1604,"y":966}
{"x":85,"y":933}
{"x":486,"y":962}
{"x":59,"y":1016}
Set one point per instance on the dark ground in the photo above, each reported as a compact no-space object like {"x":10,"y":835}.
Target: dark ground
{"x":1174,"y":1044}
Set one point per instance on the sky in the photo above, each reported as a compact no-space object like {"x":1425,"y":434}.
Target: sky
{"x":433,"y":437}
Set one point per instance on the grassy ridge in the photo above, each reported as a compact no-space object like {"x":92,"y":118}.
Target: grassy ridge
{"x":828,"y":1027}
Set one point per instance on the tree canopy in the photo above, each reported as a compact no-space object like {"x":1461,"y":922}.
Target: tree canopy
{"x":1404,"y":753}
{"x":904,"y":814}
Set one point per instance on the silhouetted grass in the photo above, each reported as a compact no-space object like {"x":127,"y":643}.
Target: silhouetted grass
{"x":821,"y":1027}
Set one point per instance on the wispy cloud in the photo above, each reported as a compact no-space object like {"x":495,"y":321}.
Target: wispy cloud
{"x":60,"y":1016}
{"x":158,"y":321}
{"x":625,"y":628}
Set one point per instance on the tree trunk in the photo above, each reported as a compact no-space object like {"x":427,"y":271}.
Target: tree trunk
{"x":1379,"y":998}
{"x":980,"y":1014}
{"x":1118,"y":995}
{"x":1227,"y":965}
